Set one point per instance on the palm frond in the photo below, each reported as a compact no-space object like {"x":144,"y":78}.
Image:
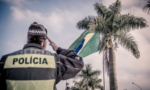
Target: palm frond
{"x":88,"y":72}
{"x":146,"y":8}
{"x":100,"y":87}
{"x":128,"y":22}
{"x":74,"y":88}
{"x":90,"y":78}
{"x":80,"y":75}
{"x":116,"y":7}
{"x":94,"y":73}
{"x":127,"y":41}
{"x":100,"y":9}
{"x":95,"y":83}
{"x":96,"y":80}
{"x":83,"y":24}
{"x":78,"y":85}
{"x":99,"y":25}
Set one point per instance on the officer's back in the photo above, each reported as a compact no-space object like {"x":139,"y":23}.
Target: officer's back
{"x":34,"y":68}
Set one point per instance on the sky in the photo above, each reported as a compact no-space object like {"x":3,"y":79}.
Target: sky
{"x":60,"y":18}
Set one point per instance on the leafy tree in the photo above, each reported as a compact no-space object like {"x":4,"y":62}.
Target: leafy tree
{"x":89,"y":77}
{"x":78,"y":86}
{"x":94,"y":83}
{"x":87,"y":74}
{"x":147,"y":6}
{"x":114,"y":28}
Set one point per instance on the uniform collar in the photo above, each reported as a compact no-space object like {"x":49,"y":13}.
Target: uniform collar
{"x":32,"y":45}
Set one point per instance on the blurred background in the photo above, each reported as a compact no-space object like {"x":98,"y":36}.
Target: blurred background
{"x":60,"y":18}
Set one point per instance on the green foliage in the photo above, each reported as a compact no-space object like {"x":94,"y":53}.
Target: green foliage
{"x":128,"y":22}
{"x":84,"y":23}
{"x":88,"y":72}
{"x":146,"y":8}
{"x":102,"y":43}
{"x":78,"y":86}
{"x":127,"y":41}
{"x":111,"y":24}
{"x":95,"y":83}
{"x":100,"y":8}
{"x":89,"y":78}
{"x":116,"y":7}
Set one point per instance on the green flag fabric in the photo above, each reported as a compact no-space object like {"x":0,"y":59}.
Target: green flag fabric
{"x":86,"y":44}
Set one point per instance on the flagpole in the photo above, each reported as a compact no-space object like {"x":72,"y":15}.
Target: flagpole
{"x":66,"y":83}
{"x":103,"y":72}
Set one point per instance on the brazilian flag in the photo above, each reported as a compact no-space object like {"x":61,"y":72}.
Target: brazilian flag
{"x":86,"y":44}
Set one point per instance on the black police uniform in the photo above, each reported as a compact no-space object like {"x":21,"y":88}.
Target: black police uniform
{"x":34,"y":68}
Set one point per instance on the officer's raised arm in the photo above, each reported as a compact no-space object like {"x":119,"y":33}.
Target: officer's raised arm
{"x":54,"y":46}
{"x":68,"y":62}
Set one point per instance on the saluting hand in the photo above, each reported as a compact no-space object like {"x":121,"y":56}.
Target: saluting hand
{"x":54,"y":46}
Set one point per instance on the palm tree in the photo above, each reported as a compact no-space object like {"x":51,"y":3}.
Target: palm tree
{"x":147,"y":6}
{"x":78,"y":86}
{"x":114,"y":28}
{"x":87,"y":74}
{"x":94,"y":83}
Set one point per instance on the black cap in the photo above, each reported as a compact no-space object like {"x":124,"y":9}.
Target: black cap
{"x":36,"y":29}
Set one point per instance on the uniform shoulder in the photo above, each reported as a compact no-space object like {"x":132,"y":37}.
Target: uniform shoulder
{"x":3,"y":58}
{"x":46,"y":52}
{"x":16,"y":52}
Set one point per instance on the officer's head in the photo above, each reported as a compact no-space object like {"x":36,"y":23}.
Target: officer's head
{"x":37,"y":34}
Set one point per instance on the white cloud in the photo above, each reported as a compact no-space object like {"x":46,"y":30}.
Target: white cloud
{"x":129,"y":3}
{"x":17,"y":14}
{"x":125,"y":3}
{"x":54,"y":20}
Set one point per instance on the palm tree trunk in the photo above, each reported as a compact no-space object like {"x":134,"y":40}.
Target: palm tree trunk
{"x":112,"y":70}
{"x":103,"y":73}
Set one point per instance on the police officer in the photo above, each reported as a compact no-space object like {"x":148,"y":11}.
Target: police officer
{"x":34,"y":68}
